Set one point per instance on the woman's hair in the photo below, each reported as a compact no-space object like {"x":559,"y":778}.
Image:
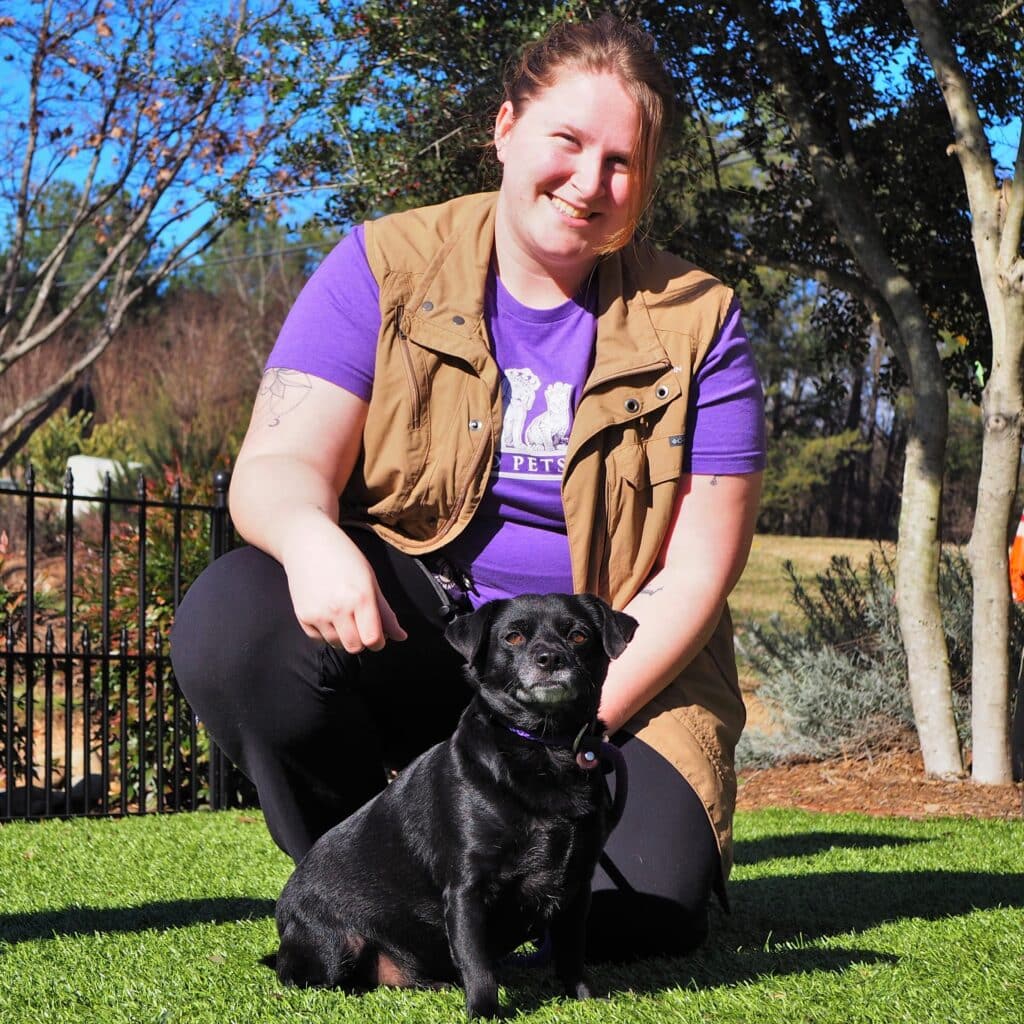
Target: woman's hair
{"x":611,"y":46}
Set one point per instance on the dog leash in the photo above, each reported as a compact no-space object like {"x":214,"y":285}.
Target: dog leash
{"x":590,"y":751}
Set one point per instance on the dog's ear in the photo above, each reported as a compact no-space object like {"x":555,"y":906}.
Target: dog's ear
{"x":468,"y":634}
{"x":617,"y":628}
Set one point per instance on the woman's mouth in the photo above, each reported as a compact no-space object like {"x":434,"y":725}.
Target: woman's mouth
{"x":575,"y":212}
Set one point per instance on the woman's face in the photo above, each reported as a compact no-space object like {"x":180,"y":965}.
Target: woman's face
{"x":566,"y":179}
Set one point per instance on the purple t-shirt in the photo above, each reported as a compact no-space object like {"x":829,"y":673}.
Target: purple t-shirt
{"x":516,"y":542}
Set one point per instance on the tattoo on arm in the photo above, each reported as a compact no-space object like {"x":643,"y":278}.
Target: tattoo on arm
{"x":714,"y":480}
{"x":280,"y":392}
{"x":650,"y":591}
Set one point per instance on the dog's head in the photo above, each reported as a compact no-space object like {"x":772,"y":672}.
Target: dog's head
{"x":546,"y":655}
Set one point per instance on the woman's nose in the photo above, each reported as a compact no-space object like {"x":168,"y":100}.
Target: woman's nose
{"x":588,"y":176}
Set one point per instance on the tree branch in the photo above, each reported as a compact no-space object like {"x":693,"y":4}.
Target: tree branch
{"x":813,"y":13}
{"x":849,"y":210}
{"x":970,"y":143}
{"x":1013,"y":216}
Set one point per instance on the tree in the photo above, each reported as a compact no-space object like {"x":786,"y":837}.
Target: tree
{"x":165,"y":132}
{"x":997,"y":212}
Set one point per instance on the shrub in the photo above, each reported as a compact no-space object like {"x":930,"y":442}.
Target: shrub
{"x":135,"y":696}
{"x":837,"y":684}
{"x":12,"y":742}
{"x":64,"y":435}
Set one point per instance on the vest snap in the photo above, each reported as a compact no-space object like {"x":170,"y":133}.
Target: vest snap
{"x":475,"y":424}
{"x":662,"y":391}
{"x":428,"y":306}
{"x":632,"y":405}
{"x":460,"y":320}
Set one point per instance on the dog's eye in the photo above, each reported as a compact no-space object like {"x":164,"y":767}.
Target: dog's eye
{"x":577,"y":637}
{"x":514,"y":638}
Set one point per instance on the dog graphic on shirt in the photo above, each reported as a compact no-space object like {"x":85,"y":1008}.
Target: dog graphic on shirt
{"x":519,"y":391}
{"x":549,"y":431}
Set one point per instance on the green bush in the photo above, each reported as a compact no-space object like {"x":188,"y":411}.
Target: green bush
{"x":837,"y":684}
{"x":138,"y":698}
{"x":64,"y":435}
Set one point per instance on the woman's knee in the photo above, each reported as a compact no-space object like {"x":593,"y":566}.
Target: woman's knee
{"x":235,"y":627}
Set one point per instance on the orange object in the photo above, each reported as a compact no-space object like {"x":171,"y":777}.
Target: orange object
{"x":1017,"y":562}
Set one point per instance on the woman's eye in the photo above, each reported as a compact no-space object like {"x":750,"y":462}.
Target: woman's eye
{"x":514,"y":638}
{"x":577,"y":637}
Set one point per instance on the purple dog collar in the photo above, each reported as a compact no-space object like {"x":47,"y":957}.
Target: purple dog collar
{"x":590,"y":751}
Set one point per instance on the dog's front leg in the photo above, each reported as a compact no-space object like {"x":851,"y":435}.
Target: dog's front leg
{"x":568,"y":942}
{"x":465,"y":920}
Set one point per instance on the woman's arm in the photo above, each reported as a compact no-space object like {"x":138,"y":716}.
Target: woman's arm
{"x":680,"y":605}
{"x":303,"y":440}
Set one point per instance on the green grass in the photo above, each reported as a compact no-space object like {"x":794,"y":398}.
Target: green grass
{"x":764,"y":589}
{"x":836,"y":918}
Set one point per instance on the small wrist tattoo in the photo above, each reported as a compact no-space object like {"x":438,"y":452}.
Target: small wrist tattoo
{"x":651,"y":591}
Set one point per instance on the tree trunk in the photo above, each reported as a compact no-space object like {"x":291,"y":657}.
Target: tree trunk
{"x":987,"y":553}
{"x":917,"y":598}
{"x":996,"y":216}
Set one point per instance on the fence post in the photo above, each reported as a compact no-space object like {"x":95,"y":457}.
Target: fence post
{"x":220,"y":526}
{"x":223,"y":774}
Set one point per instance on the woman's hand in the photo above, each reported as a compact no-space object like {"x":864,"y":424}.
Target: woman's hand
{"x":680,"y":605}
{"x":333,"y":588}
{"x":303,"y":440}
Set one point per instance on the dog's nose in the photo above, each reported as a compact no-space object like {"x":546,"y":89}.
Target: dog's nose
{"x":549,"y":660}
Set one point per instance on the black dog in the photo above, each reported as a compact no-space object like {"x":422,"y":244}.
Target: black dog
{"x":484,"y":841}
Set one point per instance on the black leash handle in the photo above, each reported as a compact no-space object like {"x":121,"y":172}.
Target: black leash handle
{"x":610,"y":754}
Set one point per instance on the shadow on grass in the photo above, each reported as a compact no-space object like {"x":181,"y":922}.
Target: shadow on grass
{"x":528,"y":990}
{"x":47,"y":924}
{"x":819,"y":905}
{"x":809,"y":844}
{"x":775,"y":919}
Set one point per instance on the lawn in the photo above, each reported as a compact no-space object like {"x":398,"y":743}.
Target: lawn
{"x":764,"y":589}
{"x":836,"y":918}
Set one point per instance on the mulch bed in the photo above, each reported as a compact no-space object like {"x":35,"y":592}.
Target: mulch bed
{"x":892,"y":783}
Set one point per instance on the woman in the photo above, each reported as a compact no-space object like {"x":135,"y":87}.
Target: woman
{"x":511,"y":384}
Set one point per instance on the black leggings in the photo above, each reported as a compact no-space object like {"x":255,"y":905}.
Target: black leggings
{"x":317,"y":730}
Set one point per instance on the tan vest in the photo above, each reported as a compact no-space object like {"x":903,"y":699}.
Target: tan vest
{"x":434,"y":427}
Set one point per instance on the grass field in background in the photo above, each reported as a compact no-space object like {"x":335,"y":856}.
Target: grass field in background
{"x":836,"y":919}
{"x":764,"y":589}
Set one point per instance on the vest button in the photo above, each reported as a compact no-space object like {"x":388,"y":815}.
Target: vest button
{"x":428,"y":306}
{"x":475,"y":424}
{"x":662,"y":391}
{"x":632,"y":405}
{"x":460,"y":320}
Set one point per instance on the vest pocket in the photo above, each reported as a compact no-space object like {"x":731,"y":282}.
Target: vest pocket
{"x":640,"y":490}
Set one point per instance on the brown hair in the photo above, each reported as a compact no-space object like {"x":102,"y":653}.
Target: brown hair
{"x":605,"y":45}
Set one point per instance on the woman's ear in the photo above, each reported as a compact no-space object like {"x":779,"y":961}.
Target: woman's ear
{"x":503,"y":123}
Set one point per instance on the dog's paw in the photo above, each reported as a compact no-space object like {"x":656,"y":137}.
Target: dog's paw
{"x":484,"y":1007}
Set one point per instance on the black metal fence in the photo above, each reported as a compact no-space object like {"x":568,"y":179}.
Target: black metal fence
{"x":91,"y":718}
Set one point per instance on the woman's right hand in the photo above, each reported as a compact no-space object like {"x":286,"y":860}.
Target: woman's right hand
{"x":303,"y":440}
{"x":333,"y":588}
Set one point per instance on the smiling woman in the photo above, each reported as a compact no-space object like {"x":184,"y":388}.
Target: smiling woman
{"x":567,"y":184}
{"x":509,"y":393}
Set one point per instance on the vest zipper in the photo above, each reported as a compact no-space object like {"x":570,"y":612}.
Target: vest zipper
{"x":415,"y":393}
